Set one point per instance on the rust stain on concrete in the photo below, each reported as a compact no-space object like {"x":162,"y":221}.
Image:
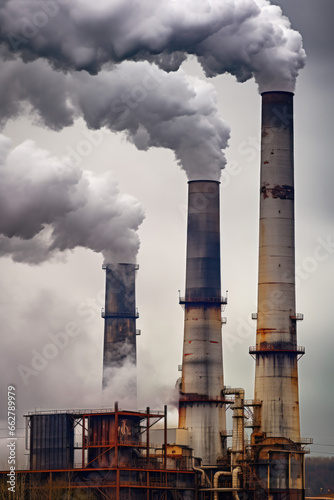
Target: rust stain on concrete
{"x":283,"y":192}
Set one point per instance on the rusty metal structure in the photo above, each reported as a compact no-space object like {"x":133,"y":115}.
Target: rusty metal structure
{"x":115,"y":457}
{"x":276,"y":438}
{"x":201,"y":402}
{"x":120,"y":316}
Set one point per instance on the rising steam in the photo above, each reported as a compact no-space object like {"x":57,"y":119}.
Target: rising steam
{"x":154,"y":108}
{"x":243,"y":37}
{"x":48,"y":206}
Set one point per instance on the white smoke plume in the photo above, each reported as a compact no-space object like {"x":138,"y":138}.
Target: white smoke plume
{"x":121,"y":385}
{"x":48,"y":206}
{"x":154,"y":108}
{"x":243,"y":37}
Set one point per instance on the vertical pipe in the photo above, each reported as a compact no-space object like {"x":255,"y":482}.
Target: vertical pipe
{"x":238,"y":433}
{"x":120,"y":316}
{"x":276,"y":375}
{"x":147,"y":485}
{"x":83,"y":441}
{"x":147,"y":434}
{"x":117,"y":434}
{"x":201,"y":407}
{"x":165,"y":437}
{"x":118,"y":483}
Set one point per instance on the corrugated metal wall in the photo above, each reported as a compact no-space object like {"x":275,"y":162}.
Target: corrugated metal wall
{"x":51,"y":442}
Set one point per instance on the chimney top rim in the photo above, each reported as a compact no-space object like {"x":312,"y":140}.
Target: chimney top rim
{"x":277,"y":92}
{"x":204,"y":180}
{"x":110,"y":265}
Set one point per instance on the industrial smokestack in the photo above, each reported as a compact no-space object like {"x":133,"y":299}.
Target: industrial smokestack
{"x":120,"y":316}
{"x":276,"y":351}
{"x":201,"y":407}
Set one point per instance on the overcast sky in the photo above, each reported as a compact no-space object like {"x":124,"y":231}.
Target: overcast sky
{"x":58,"y":291}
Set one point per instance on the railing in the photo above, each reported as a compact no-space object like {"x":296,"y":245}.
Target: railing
{"x":297,"y":316}
{"x":252,"y":402}
{"x":112,"y":444}
{"x":254,"y":349}
{"x":305,"y":440}
{"x":227,"y":433}
{"x":203,"y":300}
{"x":200,"y":397}
{"x":120,"y":314}
{"x":88,"y":412}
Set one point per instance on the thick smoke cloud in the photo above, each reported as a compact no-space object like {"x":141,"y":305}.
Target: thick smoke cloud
{"x":243,"y":37}
{"x":154,"y":108}
{"x":263,"y":46}
{"x":49,"y":206}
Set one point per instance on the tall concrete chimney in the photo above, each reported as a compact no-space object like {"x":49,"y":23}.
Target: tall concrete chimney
{"x":120,"y":316}
{"x":276,"y":350}
{"x":201,"y":408}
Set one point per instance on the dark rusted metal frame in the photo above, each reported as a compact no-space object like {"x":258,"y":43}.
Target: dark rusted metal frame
{"x":164,"y":473}
{"x":299,"y":352}
{"x":162,"y":486}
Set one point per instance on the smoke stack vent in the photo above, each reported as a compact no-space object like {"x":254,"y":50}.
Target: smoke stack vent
{"x":120,"y":316}
{"x":276,"y":350}
{"x":201,"y":400}
{"x":276,"y":339}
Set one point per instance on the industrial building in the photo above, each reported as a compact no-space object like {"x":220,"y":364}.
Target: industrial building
{"x":121,"y":454}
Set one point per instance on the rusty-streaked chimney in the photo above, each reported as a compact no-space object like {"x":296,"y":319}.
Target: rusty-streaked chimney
{"x":276,"y":350}
{"x":120,"y":316}
{"x":201,"y":408}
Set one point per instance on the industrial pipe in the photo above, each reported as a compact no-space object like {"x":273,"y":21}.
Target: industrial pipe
{"x":215,"y":481}
{"x":204,"y":477}
{"x":236,"y":482}
{"x":238,"y":432}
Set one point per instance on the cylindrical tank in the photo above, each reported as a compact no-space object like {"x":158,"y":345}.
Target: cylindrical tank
{"x":106,"y":434}
{"x":51,"y":441}
{"x":201,"y":407}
